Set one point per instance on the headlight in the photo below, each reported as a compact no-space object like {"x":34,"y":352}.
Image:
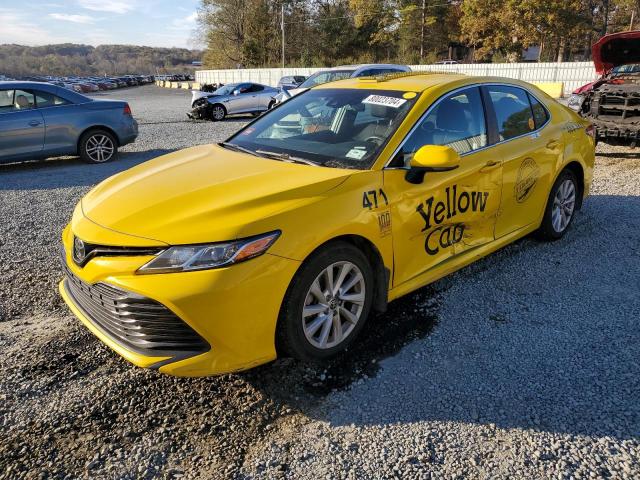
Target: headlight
{"x":214,"y":255}
{"x":575,"y":101}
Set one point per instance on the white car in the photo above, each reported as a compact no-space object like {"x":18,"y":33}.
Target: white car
{"x":340,"y":73}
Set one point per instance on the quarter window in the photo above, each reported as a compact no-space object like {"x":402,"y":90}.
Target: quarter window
{"x":46,"y":99}
{"x":513,"y":111}
{"x":540,"y":114}
{"x":457,"y":121}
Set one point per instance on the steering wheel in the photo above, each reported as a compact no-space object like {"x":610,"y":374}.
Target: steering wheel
{"x":375,"y":139}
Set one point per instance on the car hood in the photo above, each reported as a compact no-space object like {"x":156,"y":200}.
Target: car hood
{"x":616,"y":49}
{"x":205,"y":194}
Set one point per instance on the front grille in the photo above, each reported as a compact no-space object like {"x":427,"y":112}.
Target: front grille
{"x":138,"y":323}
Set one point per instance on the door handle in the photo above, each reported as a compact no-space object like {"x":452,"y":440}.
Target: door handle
{"x":553,"y":144}
{"x":490,"y":165}
{"x":34,"y":123}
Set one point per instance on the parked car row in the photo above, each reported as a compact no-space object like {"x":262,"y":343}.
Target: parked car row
{"x":176,"y":78}
{"x":90,"y":84}
{"x":254,"y":98}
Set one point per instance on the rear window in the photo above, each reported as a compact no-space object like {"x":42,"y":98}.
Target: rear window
{"x":513,"y":111}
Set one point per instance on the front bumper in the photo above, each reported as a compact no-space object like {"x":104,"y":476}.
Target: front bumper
{"x":232,"y":310}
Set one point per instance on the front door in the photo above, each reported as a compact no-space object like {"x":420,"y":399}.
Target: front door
{"x":21,"y":125}
{"x":449,"y":212}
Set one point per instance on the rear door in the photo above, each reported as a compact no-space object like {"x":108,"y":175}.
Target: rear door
{"x":21,"y":125}
{"x":530,"y":146}
{"x":260,"y":97}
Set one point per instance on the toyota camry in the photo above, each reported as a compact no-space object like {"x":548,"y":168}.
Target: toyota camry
{"x":282,"y":240}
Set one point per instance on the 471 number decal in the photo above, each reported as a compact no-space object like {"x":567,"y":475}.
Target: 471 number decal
{"x":370,"y":198}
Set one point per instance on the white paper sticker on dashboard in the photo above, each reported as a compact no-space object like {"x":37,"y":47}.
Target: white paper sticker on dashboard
{"x":357,"y":153}
{"x":384,"y":101}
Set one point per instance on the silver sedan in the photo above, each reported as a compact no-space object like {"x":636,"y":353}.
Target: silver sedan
{"x":231,"y":99}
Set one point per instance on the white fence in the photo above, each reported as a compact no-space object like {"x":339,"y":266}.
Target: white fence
{"x":572,"y":74}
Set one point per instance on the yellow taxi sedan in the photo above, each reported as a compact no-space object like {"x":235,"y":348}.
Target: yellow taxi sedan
{"x":284,"y":238}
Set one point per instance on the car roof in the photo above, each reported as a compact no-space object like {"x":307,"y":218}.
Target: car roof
{"x":418,"y":81}
{"x":28,"y":84}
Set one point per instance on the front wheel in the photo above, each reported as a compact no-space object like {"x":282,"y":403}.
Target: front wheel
{"x":561,"y":207}
{"x":98,"y":146}
{"x":218,"y":113}
{"x":327,"y":303}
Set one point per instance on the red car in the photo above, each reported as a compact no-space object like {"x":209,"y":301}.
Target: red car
{"x":612,"y":102}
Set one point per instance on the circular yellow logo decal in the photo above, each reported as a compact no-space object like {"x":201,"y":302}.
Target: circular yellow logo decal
{"x":409,"y":95}
{"x":532,"y":124}
{"x":526,"y":180}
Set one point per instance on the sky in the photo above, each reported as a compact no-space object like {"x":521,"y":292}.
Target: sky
{"x":156,"y":23}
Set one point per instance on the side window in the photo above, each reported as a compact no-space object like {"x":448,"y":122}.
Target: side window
{"x":456,"y":121}
{"x":24,"y":100}
{"x":6,"y":100}
{"x":243,"y":87}
{"x":513,"y":112}
{"x":256,"y":88}
{"x":46,"y":99}
{"x":540,"y":114}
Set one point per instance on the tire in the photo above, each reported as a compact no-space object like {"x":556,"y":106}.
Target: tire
{"x":98,"y":146}
{"x":302,"y":336}
{"x":218,"y":112}
{"x":561,"y":207}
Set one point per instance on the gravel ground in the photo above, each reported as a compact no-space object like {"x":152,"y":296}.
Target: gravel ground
{"x":524,"y":364}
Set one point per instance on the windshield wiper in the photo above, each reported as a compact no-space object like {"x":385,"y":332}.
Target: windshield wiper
{"x":238,"y":148}
{"x":285,"y":157}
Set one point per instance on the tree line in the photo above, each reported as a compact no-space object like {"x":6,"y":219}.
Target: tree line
{"x":248,"y":33}
{"x":71,"y":59}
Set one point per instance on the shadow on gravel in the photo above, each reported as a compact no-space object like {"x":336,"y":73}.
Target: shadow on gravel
{"x":385,"y":334}
{"x":68,"y":171}
{"x":541,"y":336}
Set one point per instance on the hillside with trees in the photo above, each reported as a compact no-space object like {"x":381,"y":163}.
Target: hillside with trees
{"x":71,"y":59}
{"x":329,"y":32}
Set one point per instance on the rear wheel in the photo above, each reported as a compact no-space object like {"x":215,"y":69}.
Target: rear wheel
{"x":98,"y":146}
{"x":218,"y":112}
{"x":327,"y":303}
{"x":561,"y":207}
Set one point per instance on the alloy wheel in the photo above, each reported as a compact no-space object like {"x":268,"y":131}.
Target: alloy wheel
{"x":564,"y":204}
{"x":333,"y":305}
{"x":100,"y":148}
{"x":218,"y":113}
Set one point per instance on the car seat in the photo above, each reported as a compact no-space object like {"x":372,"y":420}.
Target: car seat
{"x":22,"y":102}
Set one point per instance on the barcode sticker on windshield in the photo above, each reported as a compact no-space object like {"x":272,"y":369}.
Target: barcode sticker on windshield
{"x":384,"y":101}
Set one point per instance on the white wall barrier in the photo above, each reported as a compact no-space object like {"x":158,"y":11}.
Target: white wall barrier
{"x":571,"y":74}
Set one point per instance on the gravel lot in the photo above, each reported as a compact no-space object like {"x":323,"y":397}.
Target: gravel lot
{"x":523,"y":365}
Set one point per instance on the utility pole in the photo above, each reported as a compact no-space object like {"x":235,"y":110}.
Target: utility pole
{"x":633,"y":13}
{"x":422,"y":30}
{"x":282,"y":28}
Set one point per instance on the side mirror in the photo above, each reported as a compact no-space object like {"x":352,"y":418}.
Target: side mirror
{"x":431,"y":158}
{"x":236,"y":92}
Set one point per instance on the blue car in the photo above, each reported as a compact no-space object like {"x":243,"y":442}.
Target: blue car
{"x":40,"y":120}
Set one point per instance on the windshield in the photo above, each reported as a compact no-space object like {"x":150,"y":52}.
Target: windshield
{"x":632,"y":68}
{"x":344,"y":128}
{"x":326,"y":76}
{"x":227,"y":89}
